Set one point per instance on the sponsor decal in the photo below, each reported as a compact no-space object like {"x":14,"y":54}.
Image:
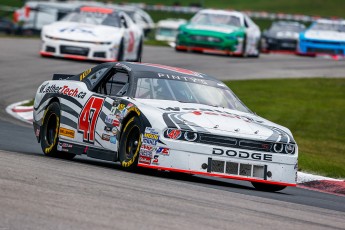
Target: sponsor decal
{"x":43,"y":87}
{"x":182,"y":78}
{"x":64,"y":147}
{"x":242,"y":154}
{"x":150,"y":130}
{"x":77,"y":30}
{"x":163,"y":151}
{"x":174,"y":133}
{"x":116,"y":122}
{"x":121,"y":107}
{"x":149,"y":141}
{"x":105,"y":137}
{"x":66,"y":132}
{"x":64,"y":90}
{"x":84,"y":74}
{"x":109,"y":119}
{"x":114,"y":131}
{"x":151,"y":136}
{"x":144,"y":160}
{"x":112,"y":139}
{"x":201,"y":111}
{"x":147,"y":147}
{"x":124,"y":66}
{"x":155,"y":160}
{"x":145,"y":153}
{"x":175,"y":69}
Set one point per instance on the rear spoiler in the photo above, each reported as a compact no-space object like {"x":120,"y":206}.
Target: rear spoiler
{"x":58,"y":76}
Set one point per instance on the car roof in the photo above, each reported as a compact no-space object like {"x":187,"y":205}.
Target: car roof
{"x":329,"y":21}
{"x":222,"y":12}
{"x":137,"y":67}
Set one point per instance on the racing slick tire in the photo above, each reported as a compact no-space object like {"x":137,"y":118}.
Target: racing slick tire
{"x":244,"y":48}
{"x":121,"y":50}
{"x":140,"y":51}
{"x":130,"y":144}
{"x":267,"y":187}
{"x":49,"y":137}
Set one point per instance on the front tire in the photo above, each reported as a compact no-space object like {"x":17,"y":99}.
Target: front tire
{"x":130,"y":144}
{"x":120,"y":54}
{"x":267,"y":187}
{"x":140,"y":51}
{"x":50,"y":133}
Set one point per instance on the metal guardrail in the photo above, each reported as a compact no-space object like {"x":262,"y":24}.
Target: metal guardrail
{"x":252,"y":14}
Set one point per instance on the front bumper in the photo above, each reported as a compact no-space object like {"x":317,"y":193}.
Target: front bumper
{"x":274,"y":44}
{"x":206,"y":43}
{"x":78,"y":50}
{"x":315,"y":47}
{"x":202,"y":159}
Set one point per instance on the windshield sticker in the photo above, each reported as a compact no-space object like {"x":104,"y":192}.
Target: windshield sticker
{"x":175,"y":69}
{"x":182,"y":78}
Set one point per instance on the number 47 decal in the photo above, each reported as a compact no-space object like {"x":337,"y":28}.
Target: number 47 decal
{"x":88,"y":118}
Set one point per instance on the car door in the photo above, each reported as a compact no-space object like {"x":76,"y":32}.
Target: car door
{"x":111,"y":114}
{"x":252,"y":36}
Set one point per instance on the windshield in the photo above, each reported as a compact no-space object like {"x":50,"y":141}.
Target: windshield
{"x":287,"y":27}
{"x":167,"y":32}
{"x":93,"y":18}
{"x":188,"y":92}
{"x":329,"y":27}
{"x":216,"y":19}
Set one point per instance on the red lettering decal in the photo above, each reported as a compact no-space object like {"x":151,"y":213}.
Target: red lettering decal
{"x":131,"y":42}
{"x":88,"y":118}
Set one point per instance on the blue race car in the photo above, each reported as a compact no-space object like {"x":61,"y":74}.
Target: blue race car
{"x":323,"y":37}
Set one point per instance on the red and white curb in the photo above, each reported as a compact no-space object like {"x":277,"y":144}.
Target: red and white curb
{"x":321,"y":183}
{"x":304,"y":180}
{"x":23,"y":113}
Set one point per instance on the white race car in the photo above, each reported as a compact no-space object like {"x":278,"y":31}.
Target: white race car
{"x":165,"y":118}
{"x":94,"y":33}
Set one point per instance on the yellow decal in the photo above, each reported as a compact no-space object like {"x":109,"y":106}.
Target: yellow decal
{"x":84,"y":74}
{"x":135,"y":109}
{"x":151,"y":136}
{"x":67,"y":132}
{"x":121,"y":107}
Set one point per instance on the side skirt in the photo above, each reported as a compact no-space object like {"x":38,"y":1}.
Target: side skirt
{"x":97,"y":153}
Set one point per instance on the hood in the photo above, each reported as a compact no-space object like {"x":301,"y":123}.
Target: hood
{"x":217,"y":120}
{"x":325,"y":35}
{"x":82,"y":32}
{"x":212,"y":28}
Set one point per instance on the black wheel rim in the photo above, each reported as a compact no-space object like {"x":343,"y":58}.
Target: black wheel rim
{"x":132,"y":142}
{"x":51,"y":129}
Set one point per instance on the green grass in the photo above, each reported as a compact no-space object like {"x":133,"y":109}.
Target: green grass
{"x":313,"y":109}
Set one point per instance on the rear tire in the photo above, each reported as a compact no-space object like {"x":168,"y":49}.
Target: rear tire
{"x":140,"y":51}
{"x":50,"y":133}
{"x":120,"y":53}
{"x":130,"y":144}
{"x":267,"y":187}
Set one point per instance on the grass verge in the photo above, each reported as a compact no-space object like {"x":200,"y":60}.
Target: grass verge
{"x":313,"y":109}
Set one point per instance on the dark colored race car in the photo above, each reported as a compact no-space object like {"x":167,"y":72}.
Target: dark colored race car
{"x":282,"y":35}
{"x":161,"y":117}
{"x":7,"y":26}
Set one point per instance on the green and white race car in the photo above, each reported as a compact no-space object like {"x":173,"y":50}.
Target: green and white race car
{"x":220,"y":31}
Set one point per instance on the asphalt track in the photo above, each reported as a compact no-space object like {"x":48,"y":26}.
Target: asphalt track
{"x":38,"y":192}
